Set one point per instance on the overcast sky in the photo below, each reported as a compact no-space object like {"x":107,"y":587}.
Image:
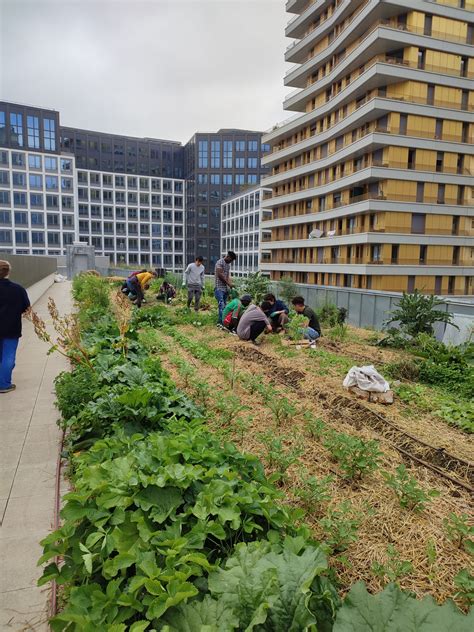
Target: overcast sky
{"x":158,"y":68}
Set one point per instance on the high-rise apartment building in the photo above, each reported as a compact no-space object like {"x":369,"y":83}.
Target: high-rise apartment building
{"x":241,"y":228}
{"x":373,"y":178}
{"x":216,"y":166}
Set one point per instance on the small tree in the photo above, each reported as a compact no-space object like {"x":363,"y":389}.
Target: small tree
{"x":416,"y":314}
{"x":256,"y":285}
{"x":287,"y":289}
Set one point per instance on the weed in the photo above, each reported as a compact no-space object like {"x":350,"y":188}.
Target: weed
{"x":339,"y":332}
{"x":201,"y":389}
{"x":355,"y":457}
{"x":240,"y":427}
{"x":460,"y":531}
{"x":328,"y":314}
{"x":340,"y":527}
{"x":408,"y":491}
{"x":393,"y":568}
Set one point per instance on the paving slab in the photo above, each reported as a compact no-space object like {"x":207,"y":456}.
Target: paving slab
{"x":28,"y":455}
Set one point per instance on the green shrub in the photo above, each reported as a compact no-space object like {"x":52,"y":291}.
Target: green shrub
{"x":328,"y":314}
{"x":287,"y":289}
{"x":255,"y":284}
{"x":355,"y":457}
{"x":408,"y":491}
{"x":75,"y":389}
{"x":416,"y":313}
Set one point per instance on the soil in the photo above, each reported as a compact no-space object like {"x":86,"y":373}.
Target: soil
{"x":312,"y":381}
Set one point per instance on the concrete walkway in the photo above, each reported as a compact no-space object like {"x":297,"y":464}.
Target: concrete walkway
{"x":29,"y":451}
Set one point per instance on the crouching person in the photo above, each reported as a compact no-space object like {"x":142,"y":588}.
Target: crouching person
{"x":312,"y":331}
{"x":234,"y":311}
{"x":125,"y":289}
{"x":254,"y":322}
{"x":167,"y":292}
{"x":138,"y":284}
{"x":278,"y":313}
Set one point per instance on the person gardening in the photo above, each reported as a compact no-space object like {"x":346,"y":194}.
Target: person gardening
{"x":233,"y":312}
{"x":124,"y":287}
{"x":254,"y":322}
{"x":312,"y":331}
{"x":278,"y":313}
{"x":138,"y":284}
{"x":194,"y":275}
{"x":223,"y":282}
{"x":167,"y":292}
{"x":14,"y":302}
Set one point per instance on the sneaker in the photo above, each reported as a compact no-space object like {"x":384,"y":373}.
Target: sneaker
{"x":233,"y":332}
{"x":220,"y":326}
{"x":12,"y":387}
{"x":255,"y":343}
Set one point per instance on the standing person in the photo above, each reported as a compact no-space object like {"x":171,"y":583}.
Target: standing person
{"x":233,"y":312}
{"x":278,"y":313}
{"x":223,"y":282}
{"x":194,"y":275}
{"x":138,"y":284}
{"x":313,"y":330}
{"x":14,"y":302}
{"x":254,"y":322}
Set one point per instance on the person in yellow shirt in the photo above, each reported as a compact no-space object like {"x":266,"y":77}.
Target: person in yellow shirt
{"x":138,"y":284}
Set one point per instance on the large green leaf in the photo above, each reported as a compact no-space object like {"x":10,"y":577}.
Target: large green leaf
{"x":395,"y":611}
{"x":159,"y":501}
{"x":207,"y":615}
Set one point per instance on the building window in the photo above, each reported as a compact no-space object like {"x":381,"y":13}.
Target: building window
{"x":49,"y":134}
{"x":203,"y":154}
{"x":4,"y":179}
{"x":418,"y":223}
{"x":51,"y":164}
{"x":34,"y":161}
{"x":215,"y":178}
{"x":252,"y":163}
{"x":253,"y":145}
{"x":240,"y":163}
{"x":2,"y":127}
{"x":252,"y":178}
{"x":227,"y":178}
{"x":227,"y":162}
{"x":239,"y":145}
{"x":32,"y":124}
{"x":16,"y":129}
{"x":18,"y":160}
{"x":36,"y":199}
{"x":239,"y":179}
{"x":36,"y":181}
{"x":51,"y":183}
{"x":215,"y":154}
{"x":66,"y":164}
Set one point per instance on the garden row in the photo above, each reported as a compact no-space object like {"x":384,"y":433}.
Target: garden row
{"x":170,"y":528}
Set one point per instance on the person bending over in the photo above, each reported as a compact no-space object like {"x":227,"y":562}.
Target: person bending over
{"x":138,"y":284}
{"x":167,"y":292}
{"x":223,"y":282}
{"x":233,"y":312}
{"x":14,"y":302}
{"x":313,"y":329}
{"x":278,"y":313}
{"x":254,"y":322}
{"x":124,"y":287}
{"x":194,"y":275}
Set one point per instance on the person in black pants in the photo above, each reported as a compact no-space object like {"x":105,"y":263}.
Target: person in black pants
{"x":254,"y":322}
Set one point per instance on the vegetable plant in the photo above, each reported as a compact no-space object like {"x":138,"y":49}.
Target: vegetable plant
{"x":464,"y":582}
{"x":314,"y":426}
{"x":313,"y":492}
{"x":460,"y":531}
{"x":340,"y":527}
{"x":393,"y":568}
{"x":407,"y":489}
{"x":282,"y":409}
{"x":277,"y":456}
{"x":355,"y":457}
{"x":296,"y":325}
{"x":417,"y":313}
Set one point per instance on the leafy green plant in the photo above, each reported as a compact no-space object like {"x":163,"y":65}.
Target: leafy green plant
{"x":314,"y":426}
{"x":393,"y":568}
{"x":296,"y":325}
{"x":340,"y":527}
{"x":394,"y":610}
{"x":417,"y":313}
{"x":287,"y":289}
{"x":75,"y":389}
{"x":255,"y":284}
{"x":282,"y":409}
{"x":464,"y":582}
{"x":328,"y":314}
{"x":355,"y":457}
{"x":340,"y":332}
{"x":313,"y":492}
{"x":277,"y":456}
{"x":408,"y":491}
{"x":264,"y":586}
{"x":460,"y":531}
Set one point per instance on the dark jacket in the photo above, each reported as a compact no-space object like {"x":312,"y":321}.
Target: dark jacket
{"x":313,"y":319}
{"x":280,"y":306}
{"x":13,"y":302}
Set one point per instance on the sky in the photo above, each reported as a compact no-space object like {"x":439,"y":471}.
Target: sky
{"x":151,"y":68}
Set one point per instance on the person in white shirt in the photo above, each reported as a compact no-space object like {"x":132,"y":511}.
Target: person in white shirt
{"x":194,"y":276}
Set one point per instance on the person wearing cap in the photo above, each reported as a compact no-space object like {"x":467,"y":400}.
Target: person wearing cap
{"x":14,"y":302}
{"x":223,"y":282}
{"x":233,"y":312}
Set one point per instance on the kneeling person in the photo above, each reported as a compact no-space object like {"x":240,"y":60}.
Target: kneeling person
{"x":254,"y":322}
{"x":313,"y":330}
{"x":234,"y":311}
{"x":278,"y":313}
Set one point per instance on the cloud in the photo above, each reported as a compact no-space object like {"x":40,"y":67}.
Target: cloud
{"x":158,"y":68}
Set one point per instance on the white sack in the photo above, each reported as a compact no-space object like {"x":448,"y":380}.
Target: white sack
{"x":367,"y":378}
{"x":59,"y":278}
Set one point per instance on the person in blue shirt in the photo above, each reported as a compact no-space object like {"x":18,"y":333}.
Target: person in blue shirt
{"x":14,"y":302}
{"x":278,"y":314}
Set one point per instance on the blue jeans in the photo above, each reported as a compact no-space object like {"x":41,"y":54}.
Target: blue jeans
{"x":310,"y":334}
{"x":8,"y":347}
{"x":221,"y":296}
